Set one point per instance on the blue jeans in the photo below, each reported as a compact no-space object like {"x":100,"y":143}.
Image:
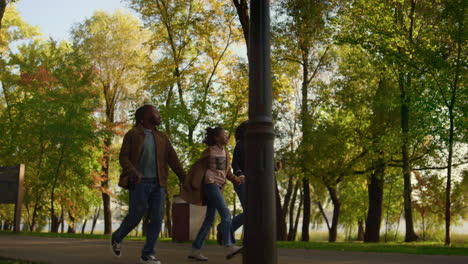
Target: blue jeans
{"x":238,"y":220}
{"x":215,"y":202}
{"x":147,"y":195}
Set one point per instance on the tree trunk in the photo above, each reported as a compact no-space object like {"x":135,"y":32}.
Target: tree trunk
{"x":348,"y":232}
{"x":291,"y":212}
{"x":71,"y":224}
{"x":305,"y":133}
{"x":360,"y":233}
{"x":280,"y":217}
{"x":105,"y":186}
{"x":95,"y":218}
{"x":34,"y":216}
{"x":449,"y":180}
{"x":306,"y":216}
{"x":287,"y":197}
{"x":3,"y":5}
{"x":36,"y":197}
{"x":322,"y":211}
{"x":374,"y":213}
{"x":423,"y":222}
{"x":190,"y":136}
{"x":298,"y":213}
{"x":242,"y":9}
{"x":404,"y":82}
{"x":451,"y":106}
{"x":83,"y":227}
{"x":398,"y":224}
{"x":55,"y":222}
{"x":62,"y":219}
{"x":332,"y":232}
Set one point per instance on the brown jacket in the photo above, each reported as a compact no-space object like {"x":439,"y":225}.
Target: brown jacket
{"x":192,"y":191}
{"x":130,"y":154}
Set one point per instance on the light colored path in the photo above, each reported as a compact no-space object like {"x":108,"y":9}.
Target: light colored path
{"x":95,"y":251}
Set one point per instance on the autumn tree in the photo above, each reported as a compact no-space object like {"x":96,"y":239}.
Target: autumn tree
{"x":3,"y":6}
{"x":190,"y":64}
{"x":116,"y":46}
{"x":51,"y":107}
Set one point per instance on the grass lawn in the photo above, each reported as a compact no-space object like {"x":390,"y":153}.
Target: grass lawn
{"x":16,"y":261}
{"x":423,"y":248}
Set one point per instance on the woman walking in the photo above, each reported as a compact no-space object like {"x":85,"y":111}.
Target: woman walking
{"x":204,"y":186}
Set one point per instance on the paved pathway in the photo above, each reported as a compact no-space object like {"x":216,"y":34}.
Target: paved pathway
{"x":95,"y":251}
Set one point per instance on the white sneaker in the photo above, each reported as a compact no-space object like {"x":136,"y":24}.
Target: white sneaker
{"x":197,"y":255}
{"x":232,"y":251}
{"x":151,"y":259}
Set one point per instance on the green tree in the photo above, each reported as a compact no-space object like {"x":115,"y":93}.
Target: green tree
{"x":63,"y":80}
{"x":14,"y":30}
{"x":445,"y":61}
{"x":300,"y":40}
{"x":52,"y":128}
{"x":363,"y":89}
{"x":393,"y":31}
{"x":187,"y":78}
{"x":116,"y":46}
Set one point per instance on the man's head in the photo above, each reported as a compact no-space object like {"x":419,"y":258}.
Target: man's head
{"x":147,"y":114}
{"x":240,"y":131}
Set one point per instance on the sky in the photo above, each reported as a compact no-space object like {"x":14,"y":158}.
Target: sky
{"x":56,"y":17}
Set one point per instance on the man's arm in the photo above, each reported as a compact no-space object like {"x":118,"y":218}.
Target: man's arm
{"x":230,"y":176}
{"x":174,"y":162}
{"x":237,"y":161}
{"x":124,"y":156}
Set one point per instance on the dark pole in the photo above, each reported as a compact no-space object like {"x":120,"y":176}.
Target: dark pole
{"x":260,"y":221}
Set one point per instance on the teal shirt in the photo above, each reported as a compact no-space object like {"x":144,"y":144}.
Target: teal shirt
{"x":147,"y":162}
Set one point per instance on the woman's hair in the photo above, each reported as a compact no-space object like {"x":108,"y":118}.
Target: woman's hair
{"x":240,"y":131}
{"x":211,"y":134}
{"x":140,"y":113}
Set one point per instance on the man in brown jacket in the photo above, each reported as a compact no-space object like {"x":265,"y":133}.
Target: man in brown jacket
{"x":145,"y":157}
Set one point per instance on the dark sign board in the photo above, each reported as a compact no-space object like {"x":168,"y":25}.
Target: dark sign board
{"x":11,"y":189}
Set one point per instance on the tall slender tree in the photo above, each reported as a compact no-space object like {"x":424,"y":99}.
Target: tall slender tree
{"x":445,"y":61}
{"x":300,"y":40}
{"x":115,"y":45}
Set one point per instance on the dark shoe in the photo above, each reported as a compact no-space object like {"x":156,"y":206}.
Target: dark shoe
{"x":115,"y":247}
{"x":151,"y":259}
